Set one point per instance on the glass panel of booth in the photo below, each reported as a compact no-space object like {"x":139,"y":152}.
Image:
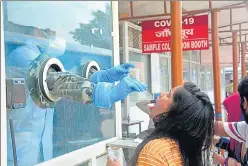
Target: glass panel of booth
{"x":142,"y":73}
{"x":186,"y":71}
{"x":203,"y":83}
{"x":75,"y":33}
{"x":186,"y":55}
{"x":195,"y":56}
{"x":194,"y":73}
{"x":164,"y":74}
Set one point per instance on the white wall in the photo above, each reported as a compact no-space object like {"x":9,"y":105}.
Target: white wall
{"x":101,"y":160}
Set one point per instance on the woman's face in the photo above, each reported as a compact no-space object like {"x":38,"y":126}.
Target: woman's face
{"x":163,"y":103}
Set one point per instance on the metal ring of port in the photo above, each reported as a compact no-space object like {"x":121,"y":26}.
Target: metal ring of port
{"x":42,"y":82}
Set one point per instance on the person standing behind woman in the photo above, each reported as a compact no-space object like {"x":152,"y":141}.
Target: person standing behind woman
{"x":184,"y":127}
{"x":236,"y":150}
{"x":232,"y":106}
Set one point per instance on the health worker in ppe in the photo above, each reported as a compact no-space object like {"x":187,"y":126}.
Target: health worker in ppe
{"x":33,"y":126}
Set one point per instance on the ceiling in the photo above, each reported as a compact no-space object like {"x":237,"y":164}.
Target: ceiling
{"x":144,"y":8}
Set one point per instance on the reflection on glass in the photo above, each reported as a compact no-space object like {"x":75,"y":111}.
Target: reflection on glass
{"x":206,"y":78}
{"x":195,"y":56}
{"x":203,"y":82}
{"x":186,"y":55}
{"x":164,"y":74}
{"x":73,"y":32}
{"x":209,"y":78}
{"x":194,"y":73}
{"x":142,"y":72}
{"x":186,"y":71}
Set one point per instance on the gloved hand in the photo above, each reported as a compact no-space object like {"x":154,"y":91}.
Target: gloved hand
{"x":111,"y":75}
{"x":105,"y":94}
{"x":70,"y":86}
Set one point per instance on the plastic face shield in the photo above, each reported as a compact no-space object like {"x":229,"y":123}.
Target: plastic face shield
{"x":56,"y":47}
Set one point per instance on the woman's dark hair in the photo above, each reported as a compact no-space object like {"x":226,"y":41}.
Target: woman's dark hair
{"x":190,"y":122}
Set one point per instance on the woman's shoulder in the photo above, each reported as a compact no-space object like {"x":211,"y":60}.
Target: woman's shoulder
{"x":164,"y":150}
{"x":161,"y":145}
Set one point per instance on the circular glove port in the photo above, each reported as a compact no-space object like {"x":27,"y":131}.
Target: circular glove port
{"x":89,"y":68}
{"x":38,"y":72}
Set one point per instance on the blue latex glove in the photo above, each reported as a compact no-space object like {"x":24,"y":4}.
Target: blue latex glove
{"x":105,"y":94}
{"x":111,"y":75}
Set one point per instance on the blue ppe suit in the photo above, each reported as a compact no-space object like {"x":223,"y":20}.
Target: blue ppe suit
{"x":33,"y":126}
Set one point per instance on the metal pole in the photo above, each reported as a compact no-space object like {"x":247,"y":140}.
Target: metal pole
{"x":235,"y":61}
{"x":243,"y":54}
{"x":125,"y":60}
{"x":216,"y":64}
{"x":210,"y":4}
{"x":165,"y":7}
{"x":192,"y":12}
{"x":231,"y":28}
{"x":131,"y":8}
{"x":13,"y":139}
{"x":176,"y":43}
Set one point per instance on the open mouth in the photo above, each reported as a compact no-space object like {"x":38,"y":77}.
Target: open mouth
{"x":151,"y":106}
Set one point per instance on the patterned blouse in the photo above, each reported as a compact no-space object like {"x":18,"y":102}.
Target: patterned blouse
{"x":160,"y":152}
